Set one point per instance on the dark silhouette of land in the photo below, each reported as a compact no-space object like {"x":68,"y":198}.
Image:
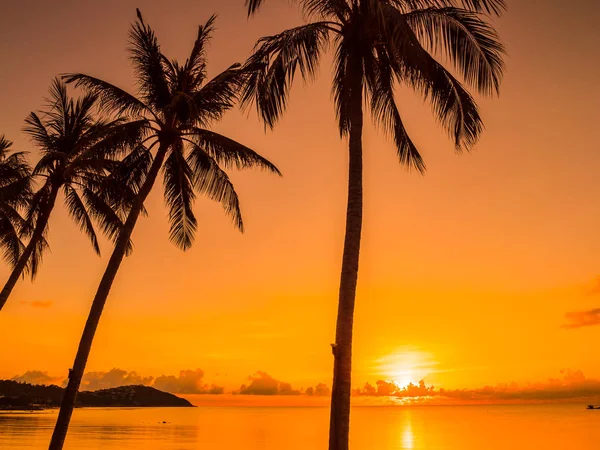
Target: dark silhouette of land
{"x":25,"y":396}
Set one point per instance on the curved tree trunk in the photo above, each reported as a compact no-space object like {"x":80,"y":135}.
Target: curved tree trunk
{"x":339,"y":424}
{"x":38,"y":233}
{"x":85,"y":344}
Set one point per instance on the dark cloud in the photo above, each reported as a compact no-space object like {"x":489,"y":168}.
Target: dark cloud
{"x":322,"y":390}
{"x":261,"y":383}
{"x":38,"y":303}
{"x":579,"y":319}
{"x":37,"y":377}
{"x":93,"y":381}
{"x":188,"y":382}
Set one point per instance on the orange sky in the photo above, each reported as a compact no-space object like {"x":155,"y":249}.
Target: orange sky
{"x":466,"y":273}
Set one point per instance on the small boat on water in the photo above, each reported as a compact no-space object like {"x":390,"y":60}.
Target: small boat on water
{"x":593,"y":407}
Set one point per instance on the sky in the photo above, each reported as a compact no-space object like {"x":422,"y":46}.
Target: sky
{"x":482,"y":271}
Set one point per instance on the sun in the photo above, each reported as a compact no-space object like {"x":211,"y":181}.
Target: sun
{"x":404,"y":379}
{"x":405,"y":366}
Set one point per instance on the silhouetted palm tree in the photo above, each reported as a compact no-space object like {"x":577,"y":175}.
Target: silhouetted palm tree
{"x":378,"y":44}
{"x":76,"y":156}
{"x":178,"y":105}
{"x":15,"y":193}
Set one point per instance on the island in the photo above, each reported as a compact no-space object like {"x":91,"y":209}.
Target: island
{"x":24,"y":396}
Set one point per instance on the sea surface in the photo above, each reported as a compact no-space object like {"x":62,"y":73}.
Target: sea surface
{"x":546,"y":427}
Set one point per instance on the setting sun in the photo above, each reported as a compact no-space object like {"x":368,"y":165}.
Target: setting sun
{"x":406,"y":366}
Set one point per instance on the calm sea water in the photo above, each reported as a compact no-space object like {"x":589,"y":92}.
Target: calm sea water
{"x":547,"y":427}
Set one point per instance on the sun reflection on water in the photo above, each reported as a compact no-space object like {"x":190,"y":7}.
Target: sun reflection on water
{"x":408,"y":438}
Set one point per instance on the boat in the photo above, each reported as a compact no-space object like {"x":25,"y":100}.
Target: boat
{"x":593,"y":407}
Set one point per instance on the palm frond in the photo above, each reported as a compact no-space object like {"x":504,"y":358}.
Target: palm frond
{"x":380,"y":81}
{"x":253,"y":6}
{"x":148,"y":65}
{"x":125,"y":178}
{"x":81,"y":114}
{"x":10,"y":230}
{"x":112,"y":140}
{"x":49,"y":162}
{"x":210,"y":180}
{"x":104,"y":215}
{"x":179,"y":197}
{"x":195,"y":66}
{"x":132,"y":169}
{"x":274,"y":63}
{"x":77,"y":210}
{"x":490,"y":7}
{"x":229,"y":153}
{"x":5,"y":146}
{"x":35,"y":260}
{"x":15,"y":192}
{"x":38,"y":132}
{"x":327,"y":9}
{"x":495,"y":7}
{"x":112,"y":99}
{"x":452,"y":104}
{"x":15,"y":179}
{"x":470,"y":42}
{"x":58,"y":112}
{"x":340,"y":88}
{"x":36,"y":204}
{"x":218,"y":95}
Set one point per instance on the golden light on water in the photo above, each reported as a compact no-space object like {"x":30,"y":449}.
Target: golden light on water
{"x":408,"y":438}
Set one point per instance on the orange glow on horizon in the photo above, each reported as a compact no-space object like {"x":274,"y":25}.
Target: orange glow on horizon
{"x":465,"y":272}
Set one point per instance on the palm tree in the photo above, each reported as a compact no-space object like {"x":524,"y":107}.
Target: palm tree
{"x":76,"y":155}
{"x":178,"y":106}
{"x":15,"y":193}
{"x":378,"y":44}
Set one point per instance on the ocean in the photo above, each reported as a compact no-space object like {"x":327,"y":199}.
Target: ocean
{"x":520,"y":427}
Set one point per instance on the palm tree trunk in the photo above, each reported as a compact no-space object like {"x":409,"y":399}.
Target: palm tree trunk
{"x":339,"y":425}
{"x":38,"y":234}
{"x":85,"y":344}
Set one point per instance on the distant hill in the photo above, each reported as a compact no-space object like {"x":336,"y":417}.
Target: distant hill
{"x":15,"y":395}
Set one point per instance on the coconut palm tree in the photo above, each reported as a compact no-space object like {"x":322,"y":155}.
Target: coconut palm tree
{"x":15,"y":193}
{"x":378,"y":44}
{"x":76,"y":153}
{"x":179,"y":105}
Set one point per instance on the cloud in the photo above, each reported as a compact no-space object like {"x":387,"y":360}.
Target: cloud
{"x":322,"y":390}
{"x":261,"y":383}
{"x":570,"y":386}
{"x":93,"y":381}
{"x":391,"y":389}
{"x":38,"y":303}
{"x":594,"y":289}
{"x":37,"y":377}
{"x":579,"y":319}
{"x":188,"y":382}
